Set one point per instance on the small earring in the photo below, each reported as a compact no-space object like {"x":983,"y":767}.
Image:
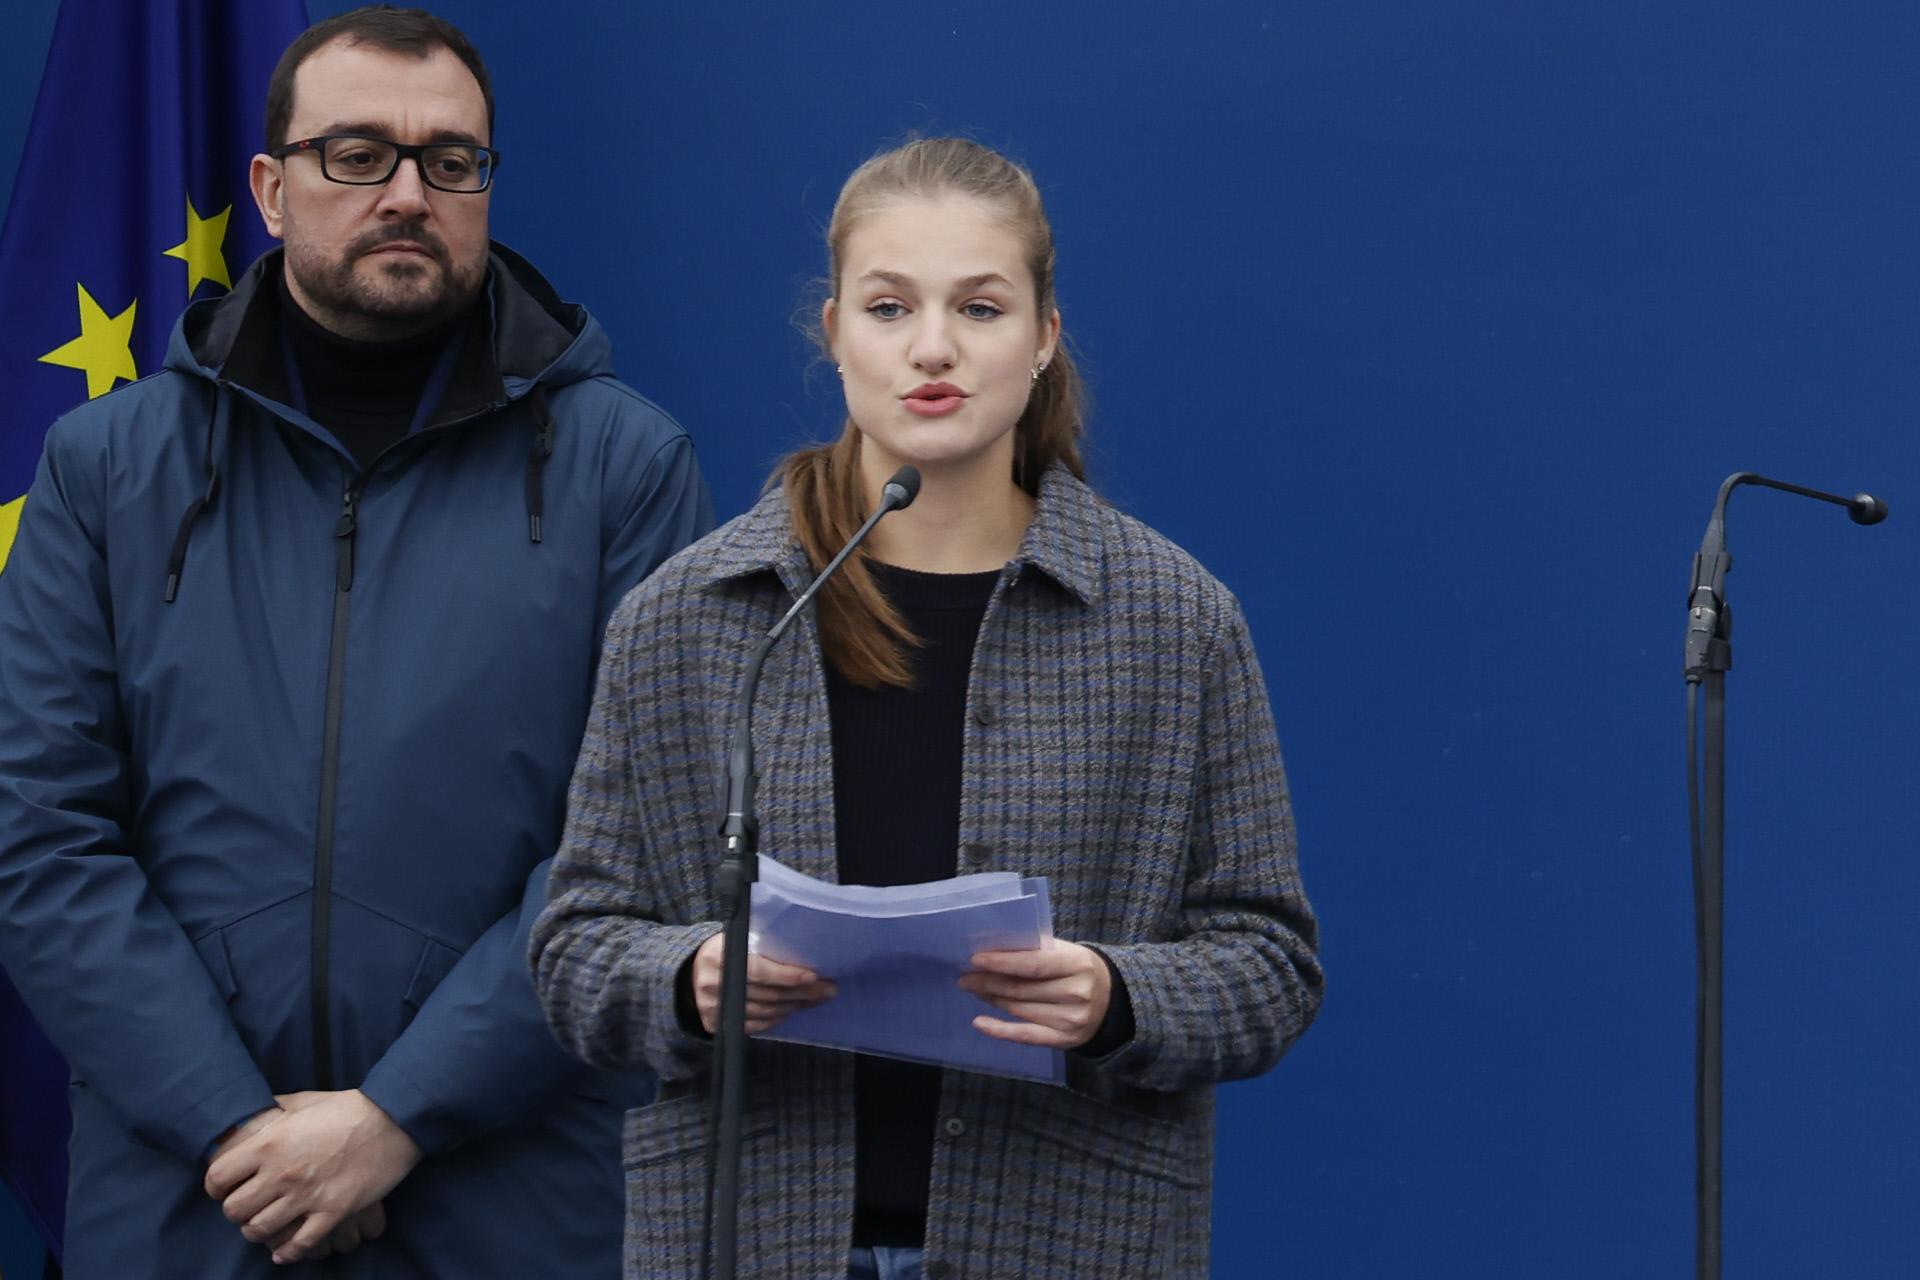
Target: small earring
{"x":1037,"y":371}
{"x":840,"y":369}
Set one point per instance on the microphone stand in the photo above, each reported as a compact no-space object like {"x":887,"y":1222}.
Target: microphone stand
{"x":1709,"y":656}
{"x":739,"y":869}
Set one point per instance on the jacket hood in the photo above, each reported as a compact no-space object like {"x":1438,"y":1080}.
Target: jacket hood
{"x":535,"y":344}
{"x":537,"y":338}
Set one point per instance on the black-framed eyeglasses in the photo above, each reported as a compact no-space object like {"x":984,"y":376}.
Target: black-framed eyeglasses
{"x":361,"y":161}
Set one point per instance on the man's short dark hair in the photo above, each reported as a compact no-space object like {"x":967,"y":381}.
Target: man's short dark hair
{"x":411,"y":31}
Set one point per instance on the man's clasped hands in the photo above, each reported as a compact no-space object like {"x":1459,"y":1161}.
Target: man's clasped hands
{"x":308,"y":1177}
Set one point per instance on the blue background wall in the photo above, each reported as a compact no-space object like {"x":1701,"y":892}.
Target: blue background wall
{"x":1430,"y":327}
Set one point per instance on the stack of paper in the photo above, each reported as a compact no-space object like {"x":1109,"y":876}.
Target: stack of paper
{"x":895,"y":955}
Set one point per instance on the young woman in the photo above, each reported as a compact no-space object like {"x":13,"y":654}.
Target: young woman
{"x":1010,"y":676}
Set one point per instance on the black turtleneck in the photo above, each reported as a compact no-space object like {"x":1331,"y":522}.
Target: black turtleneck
{"x":365,"y":393}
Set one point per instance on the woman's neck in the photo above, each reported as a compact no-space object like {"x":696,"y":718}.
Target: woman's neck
{"x":963,"y":521}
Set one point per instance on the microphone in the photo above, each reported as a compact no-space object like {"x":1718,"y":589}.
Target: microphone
{"x":1709,"y":621}
{"x":899,"y":492}
{"x":740,"y":834}
{"x":1866,"y":509}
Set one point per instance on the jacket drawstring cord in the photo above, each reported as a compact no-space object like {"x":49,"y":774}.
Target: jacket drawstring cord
{"x":537,"y":461}
{"x":177,"y":558}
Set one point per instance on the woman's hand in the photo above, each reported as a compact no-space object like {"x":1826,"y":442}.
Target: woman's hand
{"x":774,"y":990}
{"x":1061,"y":991}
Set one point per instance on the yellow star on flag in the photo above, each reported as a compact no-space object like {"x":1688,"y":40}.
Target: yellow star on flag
{"x":201,"y":249}
{"x":9,"y":525}
{"x":104,"y":349}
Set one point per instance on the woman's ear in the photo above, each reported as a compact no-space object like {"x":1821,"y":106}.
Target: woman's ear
{"x":1049,"y":341}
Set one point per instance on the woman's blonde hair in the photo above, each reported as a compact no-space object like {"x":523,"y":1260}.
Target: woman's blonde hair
{"x":861,"y":633}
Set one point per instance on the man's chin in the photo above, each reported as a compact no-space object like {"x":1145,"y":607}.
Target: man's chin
{"x":408,"y":271}
{"x":384,"y":296}
{"x":405,"y":294}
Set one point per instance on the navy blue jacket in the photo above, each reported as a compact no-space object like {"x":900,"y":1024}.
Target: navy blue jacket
{"x":284,"y":749}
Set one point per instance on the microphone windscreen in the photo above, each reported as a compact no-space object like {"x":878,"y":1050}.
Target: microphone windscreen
{"x":1866,"y":509}
{"x":903,"y":488}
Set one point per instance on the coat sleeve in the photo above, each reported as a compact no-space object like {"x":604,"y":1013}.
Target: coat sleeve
{"x":678,"y":510}
{"x":605,"y":952}
{"x":479,"y":1054}
{"x":1225,"y":999}
{"x":101,"y":961}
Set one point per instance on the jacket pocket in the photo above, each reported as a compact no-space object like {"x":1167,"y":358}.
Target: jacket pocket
{"x":1115,"y":1135}
{"x":1108,"y":1191}
{"x":212,"y":946}
{"x":258,"y":964}
{"x":436,"y":962}
{"x":678,"y":1127}
{"x":664,"y":1148}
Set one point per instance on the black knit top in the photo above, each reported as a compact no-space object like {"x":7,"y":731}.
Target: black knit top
{"x":896,"y":801}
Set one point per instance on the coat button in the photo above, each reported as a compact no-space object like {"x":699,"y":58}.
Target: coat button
{"x":937,"y":1270}
{"x":977,"y":854}
{"x":954,"y":1126}
{"x":984,"y":713}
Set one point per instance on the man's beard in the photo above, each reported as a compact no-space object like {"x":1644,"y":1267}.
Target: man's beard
{"x":405,"y":296}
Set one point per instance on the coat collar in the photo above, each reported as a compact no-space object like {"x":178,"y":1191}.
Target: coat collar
{"x":534,"y":336}
{"x":1064,"y":541}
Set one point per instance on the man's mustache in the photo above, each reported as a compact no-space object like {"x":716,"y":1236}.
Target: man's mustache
{"x":416,"y":233}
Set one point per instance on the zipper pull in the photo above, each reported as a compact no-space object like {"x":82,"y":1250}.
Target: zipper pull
{"x":343,"y":533}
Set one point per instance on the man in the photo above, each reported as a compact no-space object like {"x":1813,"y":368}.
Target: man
{"x":296,"y":647}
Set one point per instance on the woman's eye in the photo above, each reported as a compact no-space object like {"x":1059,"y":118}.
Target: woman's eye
{"x":980,"y":311}
{"x":886,"y":310}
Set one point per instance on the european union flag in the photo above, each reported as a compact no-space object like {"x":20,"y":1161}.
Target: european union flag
{"x":131,"y":199}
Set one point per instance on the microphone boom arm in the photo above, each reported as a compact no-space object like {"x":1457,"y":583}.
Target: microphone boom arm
{"x":1709,"y":621}
{"x":739,"y":868}
{"x":1709,"y":656}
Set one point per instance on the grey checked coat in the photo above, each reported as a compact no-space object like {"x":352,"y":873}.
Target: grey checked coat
{"x":1118,"y":742}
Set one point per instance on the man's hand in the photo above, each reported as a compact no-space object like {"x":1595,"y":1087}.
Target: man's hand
{"x":368,"y":1224}
{"x":774,"y":990}
{"x":313,"y":1172}
{"x":245,"y":1129}
{"x":1061,"y":990}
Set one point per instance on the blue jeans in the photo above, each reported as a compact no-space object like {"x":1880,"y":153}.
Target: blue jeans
{"x":883,"y":1264}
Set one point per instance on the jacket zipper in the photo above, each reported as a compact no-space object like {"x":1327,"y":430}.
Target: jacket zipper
{"x":320,"y":956}
{"x":343,"y":531}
